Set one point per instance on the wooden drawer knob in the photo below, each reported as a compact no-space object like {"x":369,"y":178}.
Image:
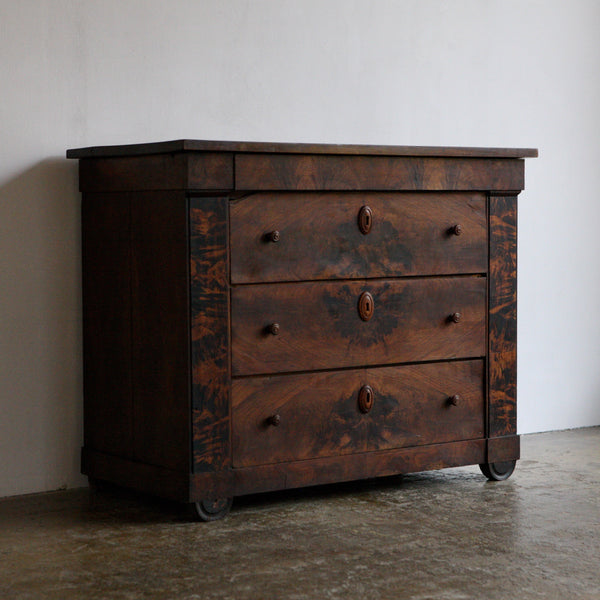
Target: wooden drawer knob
{"x":365,"y":219}
{"x":366,"y":397}
{"x":273,"y":236}
{"x":273,"y":328}
{"x":455,"y":317}
{"x":456,"y":229}
{"x":454,"y":400}
{"x":274,"y":420}
{"x":366,"y":306}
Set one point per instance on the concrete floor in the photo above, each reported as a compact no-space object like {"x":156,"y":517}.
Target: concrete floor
{"x":440,"y":535}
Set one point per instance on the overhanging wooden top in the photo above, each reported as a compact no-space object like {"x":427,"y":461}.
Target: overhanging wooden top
{"x":291,"y":148}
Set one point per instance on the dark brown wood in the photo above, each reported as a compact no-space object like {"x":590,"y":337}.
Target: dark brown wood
{"x":321,"y":415}
{"x":320,"y":328}
{"x":158,"y":172}
{"x":289,"y":148}
{"x":385,"y":173}
{"x":160,"y":331}
{"x":141,"y":476}
{"x":349,"y":467}
{"x":320,"y":239}
{"x":265,"y":478}
{"x":135,"y":291}
{"x":210,"y":333}
{"x":503,"y":317}
{"x":500,"y":449}
{"x":269,"y":316}
{"x":106,"y":268}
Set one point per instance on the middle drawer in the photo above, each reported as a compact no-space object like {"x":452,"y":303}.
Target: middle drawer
{"x":308,"y":326}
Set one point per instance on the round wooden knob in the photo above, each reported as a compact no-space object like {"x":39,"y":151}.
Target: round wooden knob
{"x":454,"y":400}
{"x":274,"y":328}
{"x":455,"y":317}
{"x":274,"y":420}
{"x":366,"y":397}
{"x":273,"y":236}
{"x":457,"y":229}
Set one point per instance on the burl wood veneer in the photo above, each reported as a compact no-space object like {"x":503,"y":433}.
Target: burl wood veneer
{"x":265,"y":316}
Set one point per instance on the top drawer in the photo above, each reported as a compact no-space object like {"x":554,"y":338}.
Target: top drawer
{"x":294,"y":237}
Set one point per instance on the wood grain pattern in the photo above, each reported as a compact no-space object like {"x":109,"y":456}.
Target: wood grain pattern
{"x":264,"y":478}
{"x":184,"y":487}
{"x":320,"y":414}
{"x":135,"y":326}
{"x":151,"y":479}
{"x":320,"y":328}
{"x":277,"y":147}
{"x":209,"y":171}
{"x":106,"y":268}
{"x":503,"y":316}
{"x":160,"y":330}
{"x":209,"y":290}
{"x":502,"y":449}
{"x":206,"y":171}
{"x":381,"y":173}
{"x":320,"y":236}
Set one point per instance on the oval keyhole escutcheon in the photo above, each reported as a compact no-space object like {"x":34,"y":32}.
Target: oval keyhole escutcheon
{"x":365,"y":219}
{"x":366,"y":398}
{"x":366,"y":306}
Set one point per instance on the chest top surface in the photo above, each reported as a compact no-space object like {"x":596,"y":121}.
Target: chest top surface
{"x":185,"y":145}
{"x":221,"y":166}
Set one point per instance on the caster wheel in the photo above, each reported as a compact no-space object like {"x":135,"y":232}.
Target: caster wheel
{"x":212,"y":510}
{"x":498,"y":471}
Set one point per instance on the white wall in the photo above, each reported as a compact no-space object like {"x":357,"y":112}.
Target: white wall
{"x":423,"y":72}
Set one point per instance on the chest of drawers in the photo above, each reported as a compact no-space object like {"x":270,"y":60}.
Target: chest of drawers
{"x":266,"y":316}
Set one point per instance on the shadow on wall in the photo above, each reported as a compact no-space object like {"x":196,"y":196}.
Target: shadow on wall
{"x":40,"y":324}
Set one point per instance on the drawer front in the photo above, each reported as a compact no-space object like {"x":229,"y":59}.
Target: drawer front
{"x":293,"y":237}
{"x":295,"y":417}
{"x":307,"y":326}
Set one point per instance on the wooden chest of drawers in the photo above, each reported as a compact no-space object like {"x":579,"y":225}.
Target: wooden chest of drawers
{"x":269,"y":316}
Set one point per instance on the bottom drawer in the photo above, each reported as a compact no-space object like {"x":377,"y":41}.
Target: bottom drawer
{"x":294,"y":417}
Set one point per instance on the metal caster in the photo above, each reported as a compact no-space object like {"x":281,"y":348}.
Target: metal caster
{"x":212,"y":510}
{"x":498,"y":471}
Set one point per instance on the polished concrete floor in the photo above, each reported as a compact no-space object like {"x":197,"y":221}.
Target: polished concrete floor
{"x":440,"y":535}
